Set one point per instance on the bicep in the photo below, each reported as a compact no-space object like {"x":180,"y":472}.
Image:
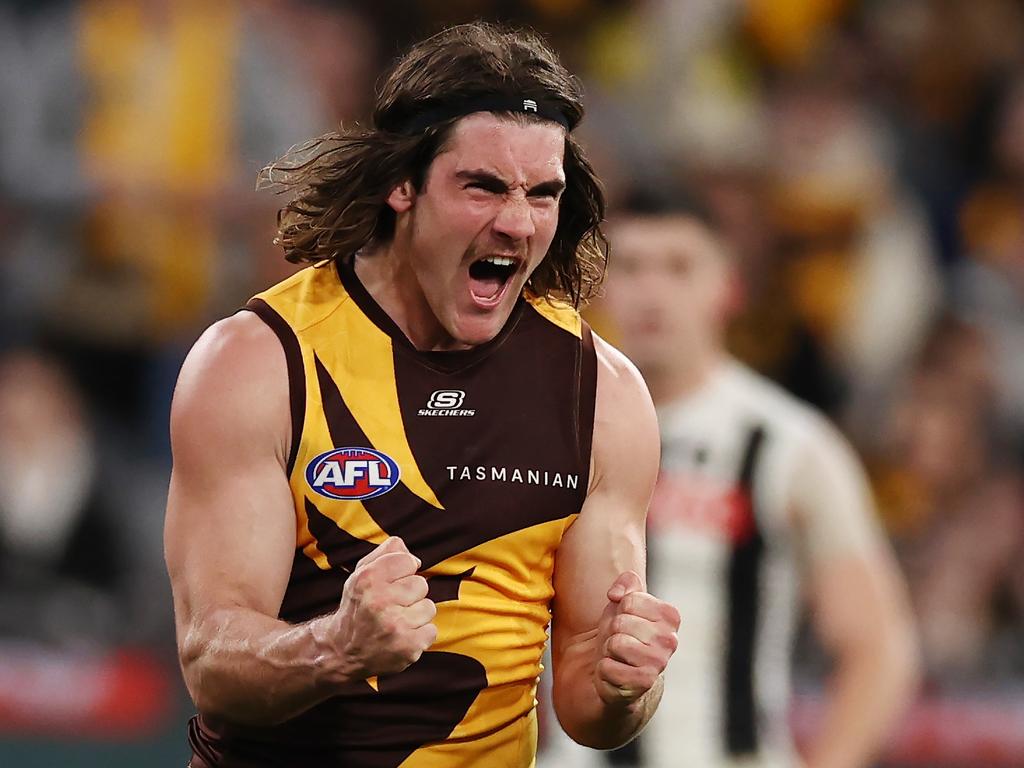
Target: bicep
{"x":831,"y":500}
{"x":855,"y":585}
{"x":857,"y":599}
{"x":230,"y":528}
{"x":609,"y":536}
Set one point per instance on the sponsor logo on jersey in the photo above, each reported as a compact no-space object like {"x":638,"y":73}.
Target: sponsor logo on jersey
{"x":351,"y":474}
{"x":447,"y":402}
{"x":514,"y":475}
{"x":686,"y":501}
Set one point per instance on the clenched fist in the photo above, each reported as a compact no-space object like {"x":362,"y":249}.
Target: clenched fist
{"x":383,"y":623}
{"x":636,"y":638}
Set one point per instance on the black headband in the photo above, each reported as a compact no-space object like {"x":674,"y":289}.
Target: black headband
{"x":489,"y":103}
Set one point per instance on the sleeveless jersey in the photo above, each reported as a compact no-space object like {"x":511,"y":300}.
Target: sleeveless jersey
{"x":739,"y":456}
{"x":479,"y":460}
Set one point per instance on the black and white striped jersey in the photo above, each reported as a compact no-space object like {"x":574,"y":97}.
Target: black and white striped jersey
{"x":755,"y":489}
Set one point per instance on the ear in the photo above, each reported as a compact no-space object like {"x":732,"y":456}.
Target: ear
{"x":402,"y":197}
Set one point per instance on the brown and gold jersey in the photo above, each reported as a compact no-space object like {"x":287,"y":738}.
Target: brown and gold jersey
{"x":479,"y":460}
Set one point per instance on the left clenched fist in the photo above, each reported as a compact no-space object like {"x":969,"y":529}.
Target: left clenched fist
{"x":636,"y":637}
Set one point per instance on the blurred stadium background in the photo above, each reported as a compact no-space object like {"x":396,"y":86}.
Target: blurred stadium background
{"x":866,"y":158}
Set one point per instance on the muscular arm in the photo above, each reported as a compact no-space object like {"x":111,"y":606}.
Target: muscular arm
{"x":863,"y":620}
{"x":611,"y":640}
{"x":859,"y":609}
{"x":230,"y":541}
{"x":230,"y":532}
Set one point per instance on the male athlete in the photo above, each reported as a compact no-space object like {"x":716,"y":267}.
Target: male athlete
{"x":759,"y":502}
{"x":399,"y":464}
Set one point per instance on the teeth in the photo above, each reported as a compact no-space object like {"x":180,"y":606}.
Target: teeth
{"x":500,"y":261}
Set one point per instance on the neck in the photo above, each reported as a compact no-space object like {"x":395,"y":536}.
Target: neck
{"x":668,"y":384}
{"x":387,"y":277}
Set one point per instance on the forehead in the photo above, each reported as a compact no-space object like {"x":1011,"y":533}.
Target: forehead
{"x":672,"y":236}
{"x":527,"y":151}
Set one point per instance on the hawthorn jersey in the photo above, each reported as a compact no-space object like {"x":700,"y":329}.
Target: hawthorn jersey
{"x":479,"y":460}
{"x":755,"y":490}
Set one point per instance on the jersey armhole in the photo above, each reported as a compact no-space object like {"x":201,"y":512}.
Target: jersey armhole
{"x":296,"y":371}
{"x":586,"y":400}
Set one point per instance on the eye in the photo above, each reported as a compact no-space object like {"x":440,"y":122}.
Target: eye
{"x":545,"y":202}
{"x":482,"y":185}
{"x":547,"y":192}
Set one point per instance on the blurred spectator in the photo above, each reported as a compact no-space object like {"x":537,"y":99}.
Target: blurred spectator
{"x":769,"y":332}
{"x":138,"y":131}
{"x":988,"y":287}
{"x":339,"y":54}
{"x":956,"y":504}
{"x":856,"y":248}
{"x":64,"y":572}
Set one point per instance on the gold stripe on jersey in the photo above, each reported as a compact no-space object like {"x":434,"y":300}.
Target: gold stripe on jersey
{"x":363,"y":368}
{"x":512,"y":747}
{"x":501,"y":614}
{"x":305,"y":300}
{"x":559,"y":313}
{"x":325,"y":319}
{"x":499,"y":619}
{"x":354,"y":520}
{"x":310,"y":549}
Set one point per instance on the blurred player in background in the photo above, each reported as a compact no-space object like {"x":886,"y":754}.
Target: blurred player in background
{"x":760,"y":503}
{"x":395,"y":467}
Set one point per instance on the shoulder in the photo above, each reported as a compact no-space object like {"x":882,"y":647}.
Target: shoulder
{"x":817,"y":476}
{"x":229,"y":351}
{"x":617,"y":376}
{"x":760,"y":399}
{"x":234,"y":378}
{"x":625,"y":422}
{"x":799,"y":430}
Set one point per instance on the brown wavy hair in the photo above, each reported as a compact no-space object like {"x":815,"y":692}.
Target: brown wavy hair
{"x":340,"y":181}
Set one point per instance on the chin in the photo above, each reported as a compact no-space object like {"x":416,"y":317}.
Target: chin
{"x":477,"y":335}
{"x":479,"y":330}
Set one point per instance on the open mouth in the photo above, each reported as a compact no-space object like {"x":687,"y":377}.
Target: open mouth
{"x":489,"y":276}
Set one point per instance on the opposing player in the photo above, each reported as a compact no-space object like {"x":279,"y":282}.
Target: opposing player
{"x":760,"y":502}
{"x":394,"y":467}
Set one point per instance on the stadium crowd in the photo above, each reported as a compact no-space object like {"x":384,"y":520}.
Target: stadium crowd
{"x":865,"y":159}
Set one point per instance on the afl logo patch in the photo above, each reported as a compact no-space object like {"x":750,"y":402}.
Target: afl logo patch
{"x":351,"y":474}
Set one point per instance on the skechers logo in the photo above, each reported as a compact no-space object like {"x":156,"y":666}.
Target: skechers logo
{"x":350,"y":474}
{"x":447,"y":402}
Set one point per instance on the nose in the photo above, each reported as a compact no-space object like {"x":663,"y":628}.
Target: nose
{"x":514,"y":219}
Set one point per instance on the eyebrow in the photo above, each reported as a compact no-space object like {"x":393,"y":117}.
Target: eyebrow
{"x":495,"y":183}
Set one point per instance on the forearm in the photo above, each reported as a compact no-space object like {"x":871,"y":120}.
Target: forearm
{"x":250,"y":668}
{"x":869,"y":690}
{"x":585,"y":716}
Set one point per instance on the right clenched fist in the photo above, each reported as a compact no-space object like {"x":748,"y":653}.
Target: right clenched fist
{"x":383,"y":623}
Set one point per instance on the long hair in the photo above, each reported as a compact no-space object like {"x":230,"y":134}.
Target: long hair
{"x":340,"y":181}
